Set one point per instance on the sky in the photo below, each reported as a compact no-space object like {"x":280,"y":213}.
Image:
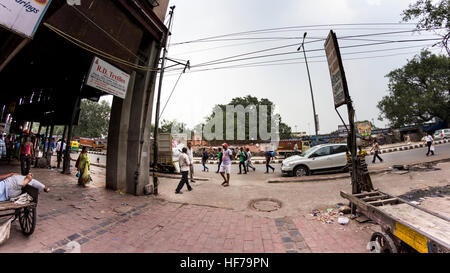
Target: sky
{"x":286,"y":85}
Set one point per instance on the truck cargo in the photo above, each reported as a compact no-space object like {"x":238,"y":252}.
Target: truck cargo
{"x":169,"y":150}
{"x":93,"y":144}
{"x":289,"y":147}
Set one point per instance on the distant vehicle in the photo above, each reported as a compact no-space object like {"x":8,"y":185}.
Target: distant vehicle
{"x":290,"y":147}
{"x":320,"y":158}
{"x":93,"y":144}
{"x":74,"y":145}
{"x":442,"y":134}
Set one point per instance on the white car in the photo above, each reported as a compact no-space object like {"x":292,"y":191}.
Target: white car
{"x":442,"y":134}
{"x":320,"y":158}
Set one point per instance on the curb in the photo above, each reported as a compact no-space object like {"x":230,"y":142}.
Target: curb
{"x":311,"y":179}
{"x":408,"y":147}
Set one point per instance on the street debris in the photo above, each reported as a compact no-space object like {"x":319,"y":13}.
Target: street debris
{"x":345,"y":209}
{"x":328,"y":217}
{"x":343,"y":220}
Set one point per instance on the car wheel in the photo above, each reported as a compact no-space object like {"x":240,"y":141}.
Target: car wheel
{"x":300,"y":171}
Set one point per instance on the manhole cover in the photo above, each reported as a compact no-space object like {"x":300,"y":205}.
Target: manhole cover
{"x":265,"y":205}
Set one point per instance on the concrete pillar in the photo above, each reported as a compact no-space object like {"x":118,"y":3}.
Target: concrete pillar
{"x":129,"y":130}
{"x":116,"y":155}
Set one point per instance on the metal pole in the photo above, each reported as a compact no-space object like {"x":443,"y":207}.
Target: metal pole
{"x":155,"y":134}
{"x":310,"y":87}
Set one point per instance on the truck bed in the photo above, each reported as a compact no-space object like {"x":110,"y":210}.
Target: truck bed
{"x":434,"y":226}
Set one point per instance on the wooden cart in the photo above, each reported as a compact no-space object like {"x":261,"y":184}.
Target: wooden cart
{"x":26,"y":213}
{"x":405,"y":226}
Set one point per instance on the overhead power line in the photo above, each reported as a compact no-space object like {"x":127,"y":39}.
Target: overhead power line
{"x":230,"y":59}
{"x":299,"y":62}
{"x":291,"y":27}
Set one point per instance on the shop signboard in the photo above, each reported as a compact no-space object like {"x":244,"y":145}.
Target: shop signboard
{"x":108,"y":78}
{"x":23,"y":17}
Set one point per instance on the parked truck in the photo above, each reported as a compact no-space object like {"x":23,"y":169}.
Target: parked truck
{"x":93,"y":144}
{"x":169,"y":150}
{"x":289,"y":147}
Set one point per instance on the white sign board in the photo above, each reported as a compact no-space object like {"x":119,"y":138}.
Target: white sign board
{"x":22,"y":16}
{"x":338,"y":81}
{"x":108,"y":78}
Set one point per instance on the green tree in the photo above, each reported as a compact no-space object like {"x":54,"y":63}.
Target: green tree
{"x":285,"y":130}
{"x":418,"y":92}
{"x":167,"y":125}
{"x":430,"y":16}
{"x":94,"y":119}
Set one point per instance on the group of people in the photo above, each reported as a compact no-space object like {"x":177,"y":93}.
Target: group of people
{"x":24,"y":149}
{"x":427,"y":139}
{"x":225,"y":157}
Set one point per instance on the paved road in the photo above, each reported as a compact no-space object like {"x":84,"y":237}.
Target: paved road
{"x":402,"y":157}
{"x":411,"y":155}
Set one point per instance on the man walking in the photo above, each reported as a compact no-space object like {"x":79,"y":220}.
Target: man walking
{"x":205,"y":157}
{"x":429,"y":140}
{"x":249,"y":160}
{"x":190,"y":155}
{"x":184,"y":167}
{"x":242,"y":159}
{"x":268,"y":159}
{"x":376,"y":149}
{"x":59,"y":151}
{"x":225,"y":166}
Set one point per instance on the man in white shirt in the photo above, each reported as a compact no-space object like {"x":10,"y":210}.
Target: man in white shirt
{"x":190,"y":155}
{"x":429,"y":139}
{"x":184,"y":167}
{"x":59,"y":152}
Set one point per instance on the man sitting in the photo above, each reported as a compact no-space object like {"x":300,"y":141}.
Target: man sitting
{"x":11,"y":185}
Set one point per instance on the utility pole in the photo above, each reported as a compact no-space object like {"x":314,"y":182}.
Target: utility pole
{"x":310,"y":86}
{"x":155,"y":134}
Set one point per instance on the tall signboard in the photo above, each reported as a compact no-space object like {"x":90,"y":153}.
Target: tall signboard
{"x":22,"y":17}
{"x":108,"y":78}
{"x":338,"y":81}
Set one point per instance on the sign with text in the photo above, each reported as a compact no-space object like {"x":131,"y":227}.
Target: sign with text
{"x":23,"y":16}
{"x":338,"y":81}
{"x":342,"y":129}
{"x":110,"y":79}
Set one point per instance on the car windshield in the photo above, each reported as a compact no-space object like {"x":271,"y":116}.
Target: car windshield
{"x":310,"y":151}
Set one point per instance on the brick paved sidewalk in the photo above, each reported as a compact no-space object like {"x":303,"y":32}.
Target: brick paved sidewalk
{"x":101,"y":220}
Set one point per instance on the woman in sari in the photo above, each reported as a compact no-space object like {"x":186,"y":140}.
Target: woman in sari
{"x":83,"y":166}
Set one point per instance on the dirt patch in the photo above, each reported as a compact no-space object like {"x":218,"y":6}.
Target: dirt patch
{"x":415,"y":195}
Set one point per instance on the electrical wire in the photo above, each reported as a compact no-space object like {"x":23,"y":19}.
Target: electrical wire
{"x":290,"y":63}
{"x":171,"y":93}
{"x":98,"y":52}
{"x":277,"y":62}
{"x":223,"y":60}
{"x":292,"y":27}
{"x":107,"y":33}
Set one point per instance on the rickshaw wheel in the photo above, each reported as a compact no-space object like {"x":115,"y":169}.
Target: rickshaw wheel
{"x":27,"y":220}
{"x":385,"y":243}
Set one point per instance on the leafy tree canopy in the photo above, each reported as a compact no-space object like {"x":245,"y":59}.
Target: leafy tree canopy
{"x":94,"y":120}
{"x":430,"y":16}
{"x":418,"y":92}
